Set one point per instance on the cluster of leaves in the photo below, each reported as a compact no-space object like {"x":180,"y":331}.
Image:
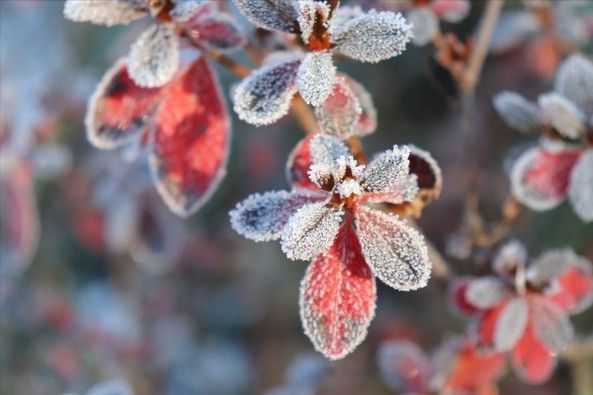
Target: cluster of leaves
{"x":163,"y":106}
{"x":561,"y":164}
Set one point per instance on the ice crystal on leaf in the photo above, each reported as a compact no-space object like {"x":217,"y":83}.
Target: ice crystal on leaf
{"x":103,"y":12}
{"x":542,"y":177}
{"x":526,"y":313}
{"x":316,"y":77}
{"x":154,"y":58}
{"x":347,"y":110}
{"x":184,"y":125}
{"x":345,"y":239}
{"x":310,"y":231}
{"x":264,"y":96}
{"x":374,"y":36}
{"x":368,"y":37}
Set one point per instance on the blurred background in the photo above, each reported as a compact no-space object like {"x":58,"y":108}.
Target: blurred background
{"x":100,"y":282}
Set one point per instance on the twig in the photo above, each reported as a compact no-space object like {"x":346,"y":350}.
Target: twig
{"x":472,"y":72}
{"x":579,"y":355}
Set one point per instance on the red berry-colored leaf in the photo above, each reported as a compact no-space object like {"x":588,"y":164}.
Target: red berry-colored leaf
{"x":573,"y":290}
{"x":540,"y":177}
{"x":532,"y":361}
{"x":297,"y":166}
{"x":488,"y":323}
{"x":19,"y":224}
{"x":474,"y":372}
{"x":119,"y":109}
{"x":458,"y":298}
{"x":337,"y":296}
{"x":191,"y":139}
{"x":216,"y":31}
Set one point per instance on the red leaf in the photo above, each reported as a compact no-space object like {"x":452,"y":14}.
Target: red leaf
{"x":458,"y":298}
{"x":191,"y":140}
{"x":20,"y":223}
{"x":298,"y":165}
{"x":532,"y":361}
{"x":119,"y":109}
{"x":488,"y":322}
{"x":473,"y":371}
{"x":217,"y":31}
{"x":572,"y":288}
{"x":338,"y":296}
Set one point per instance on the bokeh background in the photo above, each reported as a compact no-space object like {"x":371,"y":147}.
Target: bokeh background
{"x":119,"y":288}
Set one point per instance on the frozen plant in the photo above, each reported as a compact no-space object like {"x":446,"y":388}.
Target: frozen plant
{"x":324,"y":30}
{"x":523,"y":309}
{"x":330,"y":219}
{"x":562,"y":164}
{"x":154,"y":58}
{"x":455,"y":367}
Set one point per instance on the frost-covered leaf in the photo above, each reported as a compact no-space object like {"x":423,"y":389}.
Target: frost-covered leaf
{"x":485,"y":292}
{"x":337,"y":297}
{"x":101,"y":12}
{"x":312,"y":13}
{"x":119,"y":108}
{"x":550,"y":324}
{"x":424,"y":25}
{"x":539,"y":178}
{"x":191,"y":11}
{"x":326,"y":150}
{"x":298,"y":164}
{"x":512,"y":29}
{"x":191,"y":139}
{"x":116,"y":387}
{"x":403,"y":366}
{"x":154,"y":57}
{"x":374,"y":36}
{"x":389,"y":173}
{"x":532,"y":361}
{"x":19,"y":220}
{"x":218,"y":31}
{"x":263,"y":217}
{"x":316,"y":77}
{"x":310,"y":231}
{"x":516,"y":111}
{"x":574,"y":81}
{"x":396,"y":252}
{"x":509,"y":258}
{"x":278,"y":15}
{"x":428,"y":172}
{"x":580,"y":191}
{"x":511,"y":324}
{"x":564,"y":116}
{"x":451,"y":11}
{"x":568,"y":278}
{"x":264,"y":96}
{"x":340,"y":111}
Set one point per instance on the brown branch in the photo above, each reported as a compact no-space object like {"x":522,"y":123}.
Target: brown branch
{"x":472,"y":72}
